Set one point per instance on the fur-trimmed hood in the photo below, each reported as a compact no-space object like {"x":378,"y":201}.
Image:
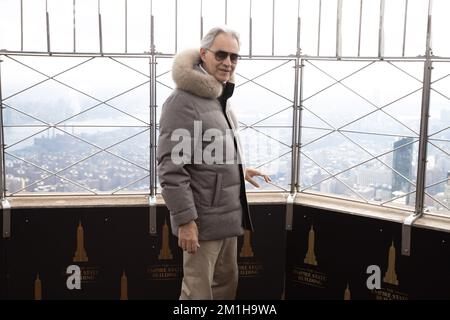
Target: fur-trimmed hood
{"x":188,"y":78}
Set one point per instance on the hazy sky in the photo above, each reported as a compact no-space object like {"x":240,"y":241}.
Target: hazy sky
{"x":236,"y":13}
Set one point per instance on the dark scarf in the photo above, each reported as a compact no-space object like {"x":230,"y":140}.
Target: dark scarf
{"x":227,"y":92}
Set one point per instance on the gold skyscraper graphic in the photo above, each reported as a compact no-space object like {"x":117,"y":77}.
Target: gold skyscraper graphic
{"x":246,"y":250}
{"x":80,"y":253}
{"x":347,"y":295}
{"x":123,"y":287}
{"x":165,"y":253}
{"x":310,"y":257}
{"x":391,"y":276}
{"x":37,"y":288}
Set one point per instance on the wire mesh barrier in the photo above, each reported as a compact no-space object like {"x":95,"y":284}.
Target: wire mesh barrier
{"x":341,"y":98}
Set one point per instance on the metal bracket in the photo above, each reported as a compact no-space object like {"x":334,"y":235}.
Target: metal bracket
{"x":152,"y":215}
{"x":6,"y":213}
{"x":406,"y":233}
{"x":290,"y":210}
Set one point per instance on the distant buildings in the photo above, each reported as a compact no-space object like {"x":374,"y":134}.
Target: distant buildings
{"x":447,"y":191}
{"x":402,"y":163}
{"x":329,"y":173}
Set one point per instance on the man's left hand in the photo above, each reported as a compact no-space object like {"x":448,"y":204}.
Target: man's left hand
{"x":250,"y":173}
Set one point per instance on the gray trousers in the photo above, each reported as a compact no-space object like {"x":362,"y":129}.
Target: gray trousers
{"x":212,"y":272}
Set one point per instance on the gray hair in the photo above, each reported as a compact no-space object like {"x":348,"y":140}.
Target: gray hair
{"x":209,"y":38}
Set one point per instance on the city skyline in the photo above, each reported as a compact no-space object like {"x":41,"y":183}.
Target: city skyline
{"x":105,"y":172}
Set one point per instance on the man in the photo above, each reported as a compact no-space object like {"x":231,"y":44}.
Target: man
{"x":207,"y":201}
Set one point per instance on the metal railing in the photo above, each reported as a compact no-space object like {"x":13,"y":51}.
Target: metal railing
{"x":298,"y":102}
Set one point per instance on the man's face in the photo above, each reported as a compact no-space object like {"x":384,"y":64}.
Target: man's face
{"x":220,"y":69}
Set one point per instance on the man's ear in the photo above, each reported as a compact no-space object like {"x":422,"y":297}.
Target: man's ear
{"x":202,"y":54}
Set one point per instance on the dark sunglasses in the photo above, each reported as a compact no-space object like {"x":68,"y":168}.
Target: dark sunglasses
{"x":222,"y":55}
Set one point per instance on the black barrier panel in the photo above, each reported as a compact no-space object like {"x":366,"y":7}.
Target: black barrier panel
{"x":430,"y":258}
{"x":28,"y":255}
{"x":164,"y":266}
{"x":261,"y":254}
{"x":339,"y":256}
{"x":116,"y":256}
{"x":113,"y":255}
{"x":46,"y":243}
{"x":328,"y":255}
{"x":310,"y":263}
{"x":2,"y":264}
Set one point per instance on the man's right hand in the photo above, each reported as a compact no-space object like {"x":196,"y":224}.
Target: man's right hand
{"x":188,"y":237}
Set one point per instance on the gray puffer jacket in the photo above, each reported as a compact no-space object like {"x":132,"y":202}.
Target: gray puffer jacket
{"x":212,"y":194}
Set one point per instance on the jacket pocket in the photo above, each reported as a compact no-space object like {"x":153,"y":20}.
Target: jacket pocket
{"x":217,"y":190}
